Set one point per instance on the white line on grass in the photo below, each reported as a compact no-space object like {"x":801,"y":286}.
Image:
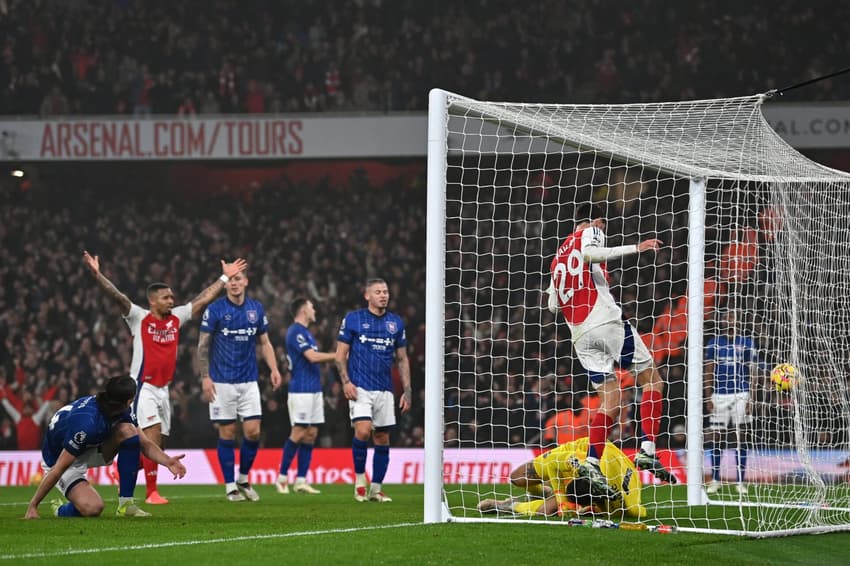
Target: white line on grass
{"x":115,"y":499}
{"x":172,"y":544}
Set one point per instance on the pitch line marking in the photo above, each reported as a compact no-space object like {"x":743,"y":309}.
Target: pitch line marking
{"x":172,"y":544}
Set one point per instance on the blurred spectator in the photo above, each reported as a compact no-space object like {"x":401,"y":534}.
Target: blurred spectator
{"x":65,"y":334}
{"x":381,"y":57}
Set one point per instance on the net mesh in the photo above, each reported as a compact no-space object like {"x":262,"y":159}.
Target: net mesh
{"x":776,"y":254}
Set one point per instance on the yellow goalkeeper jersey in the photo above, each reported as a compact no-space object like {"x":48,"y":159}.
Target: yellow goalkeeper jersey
{"x":559,"y":467}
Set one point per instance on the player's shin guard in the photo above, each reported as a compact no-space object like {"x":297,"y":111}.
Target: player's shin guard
{"x":380,"y":463}
{"x":150,"y":468}
{"x":358,"y":451}
{"x":650,"y":414}
{"x":129,"y":452}
{"x":598,"y":434}
{"x":226,"y":459}
{"x":289,"y":450}
{"x":305,"y":456}
{"x":247,"y":455}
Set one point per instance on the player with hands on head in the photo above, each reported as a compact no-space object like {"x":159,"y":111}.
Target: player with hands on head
{"x":156,"y":334}
{"x":86,"y":434}
{"x":601,"y":338}
{"x":369,"y":341}
{"x":231,"y":330}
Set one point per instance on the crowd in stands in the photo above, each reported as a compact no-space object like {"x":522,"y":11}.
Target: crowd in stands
{"x":61,"y":336}
{"x":191,"y":57}
{"x":512,"y":378}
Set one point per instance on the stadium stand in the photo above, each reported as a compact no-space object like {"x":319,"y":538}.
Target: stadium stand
{"x":130,"y":57}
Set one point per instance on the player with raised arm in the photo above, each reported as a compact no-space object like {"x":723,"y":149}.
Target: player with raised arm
{"x":305,"y":403}
{"x":86,"y":434}
{"x":727,"y":381}
{"x":369,"y":341}
{"x":601,"y":338}
{"x":557,"y":479}
{"x":156,"y":333}
{"x":227,"y":354}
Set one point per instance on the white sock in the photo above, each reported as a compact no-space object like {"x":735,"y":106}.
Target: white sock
{"x":376,"y":487}
{"x":123,"y":500}
{"x":282,"y":479}
{"x":648,"y":446}
{"x":243,"y":478}
{"x":360,"y":479}
{"x":300,"y":481}
{"x":228,"y":487}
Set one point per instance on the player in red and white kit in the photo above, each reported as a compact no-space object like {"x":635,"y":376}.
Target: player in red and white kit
{"x":156,"y":334}
{"x":579,"y":289}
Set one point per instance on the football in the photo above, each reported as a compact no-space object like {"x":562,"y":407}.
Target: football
{"x":784,"y":376}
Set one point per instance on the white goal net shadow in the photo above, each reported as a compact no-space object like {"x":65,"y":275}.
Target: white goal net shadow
{"x":749,"y":227}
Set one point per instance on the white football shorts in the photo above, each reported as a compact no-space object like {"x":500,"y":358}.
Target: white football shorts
{"x":379,"y":406}
{"x":306,"y":409}
{"x":91,"y":458}
{"x":236,"y":401}
{"x":730,"y":410}
{"x":153,"y":406}
{"x":600,"y":348}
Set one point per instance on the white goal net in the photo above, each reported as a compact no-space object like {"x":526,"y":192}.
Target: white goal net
{"x":753,"y":271}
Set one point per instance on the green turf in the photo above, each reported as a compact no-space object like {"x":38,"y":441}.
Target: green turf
{"x":201,"y":527}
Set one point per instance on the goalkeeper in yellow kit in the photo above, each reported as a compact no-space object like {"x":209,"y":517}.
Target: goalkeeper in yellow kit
{"x":558,"y":479}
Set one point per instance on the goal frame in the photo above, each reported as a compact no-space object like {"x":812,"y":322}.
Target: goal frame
{"x":435,"y":506}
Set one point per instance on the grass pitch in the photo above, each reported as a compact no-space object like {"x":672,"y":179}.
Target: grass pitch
{"x":200,"y":527}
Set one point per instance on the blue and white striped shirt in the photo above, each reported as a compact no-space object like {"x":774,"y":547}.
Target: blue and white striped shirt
{"x":233,"y":347}
{"x":374,"y":341}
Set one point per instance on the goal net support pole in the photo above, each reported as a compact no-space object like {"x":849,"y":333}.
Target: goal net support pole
{"x":434,"y":307}
{"x":696,"y":280}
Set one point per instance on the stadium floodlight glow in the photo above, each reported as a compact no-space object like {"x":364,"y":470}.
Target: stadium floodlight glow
{"x":17,"y":173}
{"x":748,"y":224}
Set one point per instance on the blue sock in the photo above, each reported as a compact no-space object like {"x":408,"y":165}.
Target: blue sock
{"x":68,"y":510}
{"x":741,"y":459}
{"x":716,"y":454}
{"x":247,"y":454}
{"x":380,"y":463}
{"x":226,"y":459}
{"x":289,"y":449}
{"x":358,"y":450}
{"x":129,"y":452}
{"x":305,"y":455}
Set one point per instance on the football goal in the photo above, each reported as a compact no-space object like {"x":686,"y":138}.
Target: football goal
{"x":753,"y":272}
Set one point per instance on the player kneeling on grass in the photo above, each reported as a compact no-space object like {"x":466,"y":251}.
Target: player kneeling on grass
{"x":86,"y":434}
{"x":558,"y":481}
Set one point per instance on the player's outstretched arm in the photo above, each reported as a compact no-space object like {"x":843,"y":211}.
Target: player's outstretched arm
{"x":48,"y":482}
{"x":206,"y":296}
{"x":155,"y":453}
{"x":93,"y":263}
{"x":315,"y":357}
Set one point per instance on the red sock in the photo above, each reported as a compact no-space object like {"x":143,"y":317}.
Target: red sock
{"x":599,"y":429}
{"x":150,"y":473}
{"x":650,"y":414}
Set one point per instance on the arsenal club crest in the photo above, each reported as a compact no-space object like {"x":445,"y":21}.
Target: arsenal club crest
{"x":392,"y":327}
{"x":252,"y":317}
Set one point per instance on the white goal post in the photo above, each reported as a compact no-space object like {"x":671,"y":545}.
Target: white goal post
{"x":756,"y":246}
